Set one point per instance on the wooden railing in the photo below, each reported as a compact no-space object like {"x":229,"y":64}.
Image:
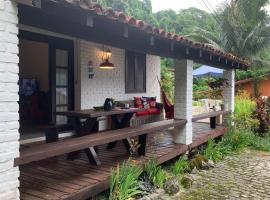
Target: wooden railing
{"x":212,"y":115}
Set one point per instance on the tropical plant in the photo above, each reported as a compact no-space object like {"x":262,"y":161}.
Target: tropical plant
{"x":167,"y":78}
{"x":180,"y":166}
{"x":124,"y":181}
{"x":243,"y":111}
{"x":155,"y":173}
{"x":260,"y":143}
{"x":262,"y":113}
{"x":244,"y":31}
{"x":213,"y":151}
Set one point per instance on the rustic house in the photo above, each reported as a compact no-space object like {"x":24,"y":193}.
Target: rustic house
{"x":59,"y":58}
{"x":263,"y":86}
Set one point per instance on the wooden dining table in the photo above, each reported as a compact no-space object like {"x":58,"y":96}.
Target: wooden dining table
{"x":85,"y":122}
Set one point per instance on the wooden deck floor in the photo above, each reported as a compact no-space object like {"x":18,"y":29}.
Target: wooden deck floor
{"x":58,"y":178}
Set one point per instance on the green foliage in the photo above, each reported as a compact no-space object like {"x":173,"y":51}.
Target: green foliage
{"x":167,"y":79}
{"x":260,"y":143}
{"x":236,"y":140}
{"x":180,"y":166}
{"x":124,"y":181}
{"x":155,"y":173}
{"x":196,"y":103}
{"x":213,"y":151}
{"x":244,"y":31}
{"x":243,"y":110}
{"x":262,"y":113}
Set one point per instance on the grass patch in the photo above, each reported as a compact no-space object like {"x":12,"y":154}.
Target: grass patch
{"x":180,"y":166}
{"x":124,"y":181}
{"x":260,"y":143}
{"x":155,"y":173}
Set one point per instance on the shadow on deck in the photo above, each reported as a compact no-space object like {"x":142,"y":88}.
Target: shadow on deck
{"x":58,"y":178}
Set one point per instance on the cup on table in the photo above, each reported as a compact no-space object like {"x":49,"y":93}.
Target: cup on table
{"x":127,"y":105}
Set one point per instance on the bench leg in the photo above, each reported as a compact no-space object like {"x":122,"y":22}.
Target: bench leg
{"x":142,"y":142}
{"x":127,"y":145}
{"x":213,"y":122}
{"x":92,"y":156}
{"x":51,"y":135}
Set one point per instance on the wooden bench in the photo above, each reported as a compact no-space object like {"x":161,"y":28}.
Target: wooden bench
{"x":212,"y":115}
{"x":43,"y":151}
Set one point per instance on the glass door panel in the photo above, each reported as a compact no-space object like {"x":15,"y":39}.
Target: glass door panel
{"x":61,"y":86}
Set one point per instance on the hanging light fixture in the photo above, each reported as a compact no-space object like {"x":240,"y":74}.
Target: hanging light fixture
{"x":106,"y":64}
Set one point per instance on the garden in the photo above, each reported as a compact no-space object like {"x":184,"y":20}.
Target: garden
{"x":248,"y":128}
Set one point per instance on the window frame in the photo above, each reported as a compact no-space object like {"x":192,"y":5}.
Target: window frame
{"x":136,"y":56}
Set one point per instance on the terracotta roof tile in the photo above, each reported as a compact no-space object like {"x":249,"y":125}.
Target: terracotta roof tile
{"x":120,"y":16}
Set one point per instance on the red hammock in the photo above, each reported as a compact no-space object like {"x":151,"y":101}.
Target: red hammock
{"x":169,"y":108}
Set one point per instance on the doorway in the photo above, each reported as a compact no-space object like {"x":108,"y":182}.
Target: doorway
{"x":46,"y":83}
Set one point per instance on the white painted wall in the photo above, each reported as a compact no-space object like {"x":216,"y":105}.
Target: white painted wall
{"x":111,"y":83}
{"x":9,"y":116}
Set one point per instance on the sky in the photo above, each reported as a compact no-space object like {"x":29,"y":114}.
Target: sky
{"x":183,"y":4}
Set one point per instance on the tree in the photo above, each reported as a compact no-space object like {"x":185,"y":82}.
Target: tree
{"x":244,"y":31}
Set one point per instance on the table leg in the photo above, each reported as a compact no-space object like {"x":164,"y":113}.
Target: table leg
{"x":92,"y":156}
{"x":118,"y":124}
{"x":142,"y":141}
{"x":213,"y":122}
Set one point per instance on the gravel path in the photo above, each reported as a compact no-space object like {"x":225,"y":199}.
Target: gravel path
{"x":242,"y":176}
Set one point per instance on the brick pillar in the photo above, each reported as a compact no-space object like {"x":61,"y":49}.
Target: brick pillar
{"x":229,"y":90}
{"x":9,"y":116}
{"x":183,"y":100}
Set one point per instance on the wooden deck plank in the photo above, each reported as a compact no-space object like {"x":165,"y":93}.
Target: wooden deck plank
{"x":75,"y":180}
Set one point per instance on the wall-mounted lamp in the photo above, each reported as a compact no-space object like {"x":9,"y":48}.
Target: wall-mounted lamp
{"x":106,"y":64}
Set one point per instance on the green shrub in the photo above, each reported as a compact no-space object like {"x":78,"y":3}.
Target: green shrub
{"x":260,"y":143}
{"x":196,"y":103}
{"x":236,"y":140}
{"x":243,"y":112}
{"x":262,"y":113}
{"x":180,"y":166}
{"x":155,"y":173}
{"x":213,"y":151}
{"x":124,"y":181}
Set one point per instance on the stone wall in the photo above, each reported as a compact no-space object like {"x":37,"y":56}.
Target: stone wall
{"x":9,"y":116}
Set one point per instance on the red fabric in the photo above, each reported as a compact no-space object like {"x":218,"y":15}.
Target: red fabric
{"x":138,"y":103}
{"x":152,"y":102}
{"x":142,"y":113}
{"x":152,"y":111}
{"x":169,"y":108}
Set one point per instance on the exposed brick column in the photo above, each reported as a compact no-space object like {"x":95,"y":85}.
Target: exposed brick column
{"x":183,"y":100}
{"x":229,"y":90}
{"x":9,"y":116}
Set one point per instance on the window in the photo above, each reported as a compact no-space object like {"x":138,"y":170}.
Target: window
{"x":135,"y":72}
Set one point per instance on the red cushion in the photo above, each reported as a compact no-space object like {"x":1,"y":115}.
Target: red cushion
{"x":142,"y":113}
{"x":138,"y":103}
{"x":153,"y":111}
{"x":152,"y":102}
